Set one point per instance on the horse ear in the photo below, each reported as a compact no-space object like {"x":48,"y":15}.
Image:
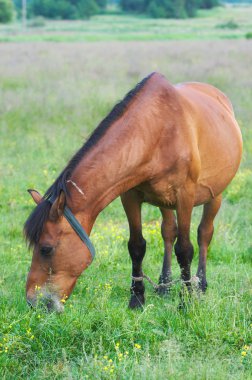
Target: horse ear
{"x":35,"y":196}
{"x":58,"y":206}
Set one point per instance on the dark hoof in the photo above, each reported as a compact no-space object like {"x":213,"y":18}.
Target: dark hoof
{"x":163,"y":291}
{"x":136,"y":301}
{"x":202,"y":286}
{"x":164,"y":285}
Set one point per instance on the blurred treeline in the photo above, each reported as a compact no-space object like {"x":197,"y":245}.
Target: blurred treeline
{"x":63,"y":9}
{"x":84,"y":9}
{"x":167,"y":8}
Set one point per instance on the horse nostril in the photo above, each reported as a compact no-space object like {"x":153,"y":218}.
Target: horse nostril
{"x":30,"y":302}
{"x":52,"y":303}
{"x":49,"y":304}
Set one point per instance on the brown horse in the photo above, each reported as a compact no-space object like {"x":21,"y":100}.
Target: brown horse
{"x":175,"y":147}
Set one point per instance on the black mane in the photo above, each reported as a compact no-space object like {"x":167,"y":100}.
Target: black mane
{"x":34,"y":224}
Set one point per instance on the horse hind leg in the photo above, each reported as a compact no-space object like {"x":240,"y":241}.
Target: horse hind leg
{"x":205,"y":234}
{"x":169,"y":234}
{"x":137,"y":246}
{"x":183,"y":247}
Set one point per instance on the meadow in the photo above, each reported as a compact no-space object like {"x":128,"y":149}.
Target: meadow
{"x":51,"y":97}
{"x":217,"y":23}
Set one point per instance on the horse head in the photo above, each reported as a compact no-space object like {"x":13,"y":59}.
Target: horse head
{"x":59,"y":255}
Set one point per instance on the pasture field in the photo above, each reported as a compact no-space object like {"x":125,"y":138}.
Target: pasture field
{"x":218,"y":23}
{"x":51,"y":97}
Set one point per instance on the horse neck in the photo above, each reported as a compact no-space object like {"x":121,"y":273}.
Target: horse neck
{"x":117,"y":163}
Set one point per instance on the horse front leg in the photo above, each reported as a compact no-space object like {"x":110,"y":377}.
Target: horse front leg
{"x":132,"y":201}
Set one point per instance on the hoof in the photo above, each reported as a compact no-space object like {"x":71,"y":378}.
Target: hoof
{"x":163,"y":291}
{"x":136,"y":301}
{"x":200,"y":284}
{"x":202,"y":287}
{"x":164,"y":285}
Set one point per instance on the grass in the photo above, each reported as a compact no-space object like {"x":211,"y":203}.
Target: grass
{"x":207,"y":26}
{"x":52,"y":96}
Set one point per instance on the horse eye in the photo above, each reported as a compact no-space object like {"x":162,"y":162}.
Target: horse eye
{"x":46,"y":250}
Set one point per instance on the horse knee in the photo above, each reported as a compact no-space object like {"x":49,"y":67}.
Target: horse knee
{"x":137,"y":249}
{"x":184,"y":253}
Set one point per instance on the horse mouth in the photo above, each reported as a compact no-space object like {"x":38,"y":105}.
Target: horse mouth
{"x":49,"y":300}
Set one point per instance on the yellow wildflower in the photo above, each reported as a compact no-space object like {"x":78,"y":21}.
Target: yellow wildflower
{"x":244,"y":353}
{"x":138,"y":346}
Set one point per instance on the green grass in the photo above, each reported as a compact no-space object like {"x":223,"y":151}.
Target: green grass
{"x":52,"y":96}
{"x":208,"y":25}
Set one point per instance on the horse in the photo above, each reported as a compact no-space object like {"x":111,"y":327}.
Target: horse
{"x":173,"y":146}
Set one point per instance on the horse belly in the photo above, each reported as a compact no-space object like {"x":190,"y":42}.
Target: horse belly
{"x":220,"y":156}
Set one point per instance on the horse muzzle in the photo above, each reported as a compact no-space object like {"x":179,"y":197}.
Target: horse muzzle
{"x":49,"y":300}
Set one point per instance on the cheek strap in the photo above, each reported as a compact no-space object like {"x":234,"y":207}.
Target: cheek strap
{"x":77,"y":227}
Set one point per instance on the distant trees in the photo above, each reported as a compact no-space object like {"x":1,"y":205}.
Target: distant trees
{"x":6,"y":11}
{"x":84,"y":9}
{"x":102,"y":3}
{"x":63,"y":9}
{"x":137,"y":6}
{"x":167,"y":8}
{"x":208,"y":4}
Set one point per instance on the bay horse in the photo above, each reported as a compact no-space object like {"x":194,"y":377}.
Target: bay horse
{"x":173,"y":146}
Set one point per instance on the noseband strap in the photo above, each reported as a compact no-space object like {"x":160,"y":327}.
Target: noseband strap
{"x":77,"y":227}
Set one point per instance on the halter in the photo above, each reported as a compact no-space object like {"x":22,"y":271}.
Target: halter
{"x":77,"y":227}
